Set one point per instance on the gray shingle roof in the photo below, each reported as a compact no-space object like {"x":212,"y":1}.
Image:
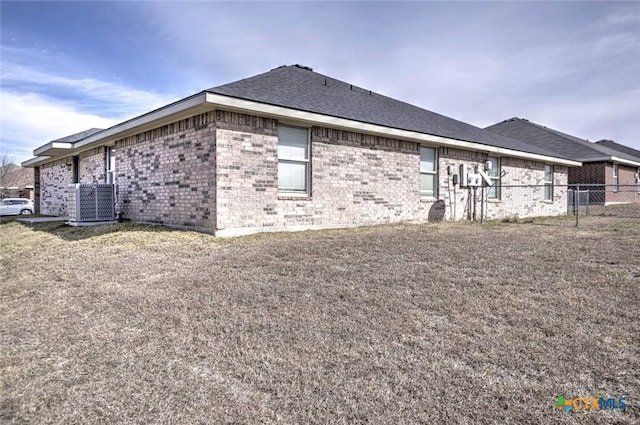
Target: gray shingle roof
{"x":300,"y":88}
{"x":620,"y":148}
{"x":79,"y":136}
{"x":561,"y":144}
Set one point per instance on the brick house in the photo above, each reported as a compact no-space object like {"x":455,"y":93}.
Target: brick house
{"x":292,"y":149}
{"x":614,"y":167}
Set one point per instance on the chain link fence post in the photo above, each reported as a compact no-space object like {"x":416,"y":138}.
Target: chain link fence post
{"x":576,"y":203}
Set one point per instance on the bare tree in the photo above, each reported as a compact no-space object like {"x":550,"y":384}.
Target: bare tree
{"x":6,"y":165}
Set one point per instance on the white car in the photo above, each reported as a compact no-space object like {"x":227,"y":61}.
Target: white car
{"x":16,"y":206}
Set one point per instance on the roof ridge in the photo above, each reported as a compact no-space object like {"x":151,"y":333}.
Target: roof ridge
{"x":628,"y":150}
{"x":560,"y":142}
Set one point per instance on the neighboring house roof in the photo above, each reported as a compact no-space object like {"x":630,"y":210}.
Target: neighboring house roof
{"x":298,"y":87}
{"x":297,"y":94}
{"x":559,"y":143}
{"x":620,"y":148}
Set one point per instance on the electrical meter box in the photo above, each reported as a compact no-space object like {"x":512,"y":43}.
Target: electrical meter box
{"x":474,"y":180}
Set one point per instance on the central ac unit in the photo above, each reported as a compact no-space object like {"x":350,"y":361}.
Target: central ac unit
{"x":92,"y":203}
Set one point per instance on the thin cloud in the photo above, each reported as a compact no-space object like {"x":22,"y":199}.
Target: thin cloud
{"x":30,"y":120}
{"x":40,"y":104}
{"x":110,"y":98}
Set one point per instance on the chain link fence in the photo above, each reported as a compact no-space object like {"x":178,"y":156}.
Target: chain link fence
{"x":593,"y":205}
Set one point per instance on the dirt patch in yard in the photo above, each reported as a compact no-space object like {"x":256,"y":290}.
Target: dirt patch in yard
{"x":396,"y":324}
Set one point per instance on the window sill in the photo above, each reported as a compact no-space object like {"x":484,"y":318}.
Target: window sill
{"x":428,"y":199}
{"x":494,"y":201}
{"x":294,"y":198}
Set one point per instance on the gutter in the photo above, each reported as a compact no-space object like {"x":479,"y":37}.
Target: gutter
{"x":116,"y":132}
{"x":310,"y":118}
{"x":206,"y":101}
{"x":33,"y":162}
{"x":613,"y":159}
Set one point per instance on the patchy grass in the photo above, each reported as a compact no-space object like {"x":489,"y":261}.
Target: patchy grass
{"x":397,"y":324}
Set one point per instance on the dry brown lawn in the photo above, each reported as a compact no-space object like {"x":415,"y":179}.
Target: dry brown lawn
{"x":393,"y":325}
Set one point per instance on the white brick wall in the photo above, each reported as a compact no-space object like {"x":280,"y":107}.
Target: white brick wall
{"x":166,"y":175}
{"x":218,"y":171}
{"x":56,"y":176}
{"x":514,"y":202}
{"x":356,"y":180}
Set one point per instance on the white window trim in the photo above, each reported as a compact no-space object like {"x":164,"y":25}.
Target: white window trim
{"x":306,"y":161}
{"x":110,"y":174}
{"x":496,"y":180}
{"x":616,"y":181}
{"x":436,"y":182}
{"x":548,"y":183}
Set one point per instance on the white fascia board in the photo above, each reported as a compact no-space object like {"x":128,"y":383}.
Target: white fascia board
{"x":51,"y":146}
{"x":613,"y":159}
{"x":111,"y":134}
{"x":116,"y":132}
{"x":33,"y":162}
{"x":310,"y":118}
{"x":625,"y":161}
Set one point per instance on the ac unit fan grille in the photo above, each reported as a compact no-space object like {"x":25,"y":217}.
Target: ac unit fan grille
{"x":95,"y":202}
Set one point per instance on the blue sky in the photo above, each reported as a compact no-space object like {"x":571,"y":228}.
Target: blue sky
{"x":573,"y":66}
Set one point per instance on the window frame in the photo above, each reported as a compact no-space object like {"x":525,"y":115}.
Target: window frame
{"x":638,"y":180}
{"x":110,"y":172}
{"x":548,"y":183}
{"x":496,"y":179}
{"x":433,"y":173}
{"x":616,"y":180}
{"x":306,"y":162}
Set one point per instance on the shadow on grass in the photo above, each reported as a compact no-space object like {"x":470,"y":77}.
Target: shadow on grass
{"x":6,"y":219}
{"x":72,"y":233}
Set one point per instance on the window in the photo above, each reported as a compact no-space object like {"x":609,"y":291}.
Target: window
{"x":548,"y":183}
{"x":638,"y":180}
{"x":428,"y":172}
{"x":111,"y":165}
{"x":293,"y":160}
{"x":494,"y":173}
{"x":616,"y":186}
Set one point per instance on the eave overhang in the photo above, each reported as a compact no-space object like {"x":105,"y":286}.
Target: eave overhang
{"x":206,"y":101}
{"x":176,"y":111}
{"x":613,"y":159}
{"x":34,"y":162}
{"x":310,"y":118}
{"x":54,"y":149}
